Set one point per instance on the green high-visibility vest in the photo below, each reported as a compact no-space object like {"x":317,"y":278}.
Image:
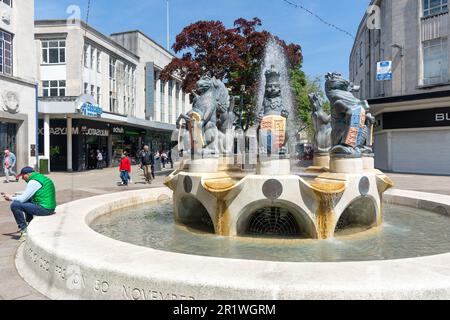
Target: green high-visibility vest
{"x":45,"y":196}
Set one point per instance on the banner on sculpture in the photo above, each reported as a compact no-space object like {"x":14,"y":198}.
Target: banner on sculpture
{"x":356,"y":130}
{"x":273,"y":133}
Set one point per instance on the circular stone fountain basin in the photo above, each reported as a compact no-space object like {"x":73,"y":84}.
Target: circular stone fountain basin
{"x":64,"y":258}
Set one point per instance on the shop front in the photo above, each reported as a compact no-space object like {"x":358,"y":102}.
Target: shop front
{"x":88,"y":137}
{"x":126,"y":139}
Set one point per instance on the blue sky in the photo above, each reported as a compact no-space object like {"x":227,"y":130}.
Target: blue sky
{"x":324,"y":48}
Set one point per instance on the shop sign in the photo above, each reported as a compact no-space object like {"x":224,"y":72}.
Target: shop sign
{"x":118,"y":130}
{"x":91,"y":110}
{"x":94,"y":132}
{"x":437,"y":117}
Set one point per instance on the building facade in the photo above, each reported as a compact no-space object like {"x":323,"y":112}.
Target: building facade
{"x":90,"y":98}
{"x":413,"y":108}
{"x":17,"y":81}
{"x":160,"y":101}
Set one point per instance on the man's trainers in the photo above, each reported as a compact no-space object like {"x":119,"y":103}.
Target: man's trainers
{"x":23,"y":236}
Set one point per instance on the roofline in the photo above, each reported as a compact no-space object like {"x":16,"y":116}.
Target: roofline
{"x":360,"y":27}
{"x":60,"y":22}
{"x":146,"y":36}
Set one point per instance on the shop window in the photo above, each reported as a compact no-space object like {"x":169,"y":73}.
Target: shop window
{"x":435,"y":61}
{"x":432,"y":7}
{"x":6,"y":50}
{"x":54,"y":88}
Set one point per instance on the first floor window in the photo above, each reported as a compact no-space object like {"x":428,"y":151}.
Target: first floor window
{"x":7,"y":2}
{"x":54,"y":88}
{"x":6,"y":57}
{"x":432,"y":7}
{"x":86,"y":88}
{"x":53,"y":51}
{"x":92,"y":91}
{"x":435,"y":61}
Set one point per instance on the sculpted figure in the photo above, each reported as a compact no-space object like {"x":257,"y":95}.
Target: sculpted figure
{"x":272,"y":117}
{"x":210,"y":109}
{"x":322,"y":125}
{"x":347,"y":116}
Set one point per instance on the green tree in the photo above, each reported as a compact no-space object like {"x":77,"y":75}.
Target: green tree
{"x":302,"y":86}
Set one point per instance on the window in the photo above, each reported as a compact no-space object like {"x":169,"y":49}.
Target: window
{"x":54,"y":88}
{"x":87,"y":55}
{"x":163,"y":112}
{"x":86,"y":88}
{"x":432,"y":7}
{"x":435,"y":61}
{"x":177,"y":97}
{"x":99,"y":61}
{"x":53,"y":51}
{"x":92,"y":91}
{"x":112,"y":68}
{"x":170,"y":101}
{"x":7,"y":2}
{"x":183,"y":102}
{"x":6,"y":50}
{"x":98,"y":95}
{"x":361,"y":55}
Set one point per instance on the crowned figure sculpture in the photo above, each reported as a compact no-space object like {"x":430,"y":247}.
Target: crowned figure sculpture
{"x":273,"y":117}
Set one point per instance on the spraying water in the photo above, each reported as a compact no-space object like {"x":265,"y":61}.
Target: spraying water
{"x":274,"y":55}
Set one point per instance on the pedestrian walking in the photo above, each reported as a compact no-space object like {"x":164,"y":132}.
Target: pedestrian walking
{"x":99,"y":160}
{"x":147,"y":161}
{"x":38,"y":199}
{"x":9,"y":162}
{"x":125,"y":169}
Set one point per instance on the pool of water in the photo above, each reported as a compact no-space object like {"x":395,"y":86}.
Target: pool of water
{"x":405,"y":233}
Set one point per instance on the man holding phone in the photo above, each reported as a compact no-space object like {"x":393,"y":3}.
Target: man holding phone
{"x":39,"y":199}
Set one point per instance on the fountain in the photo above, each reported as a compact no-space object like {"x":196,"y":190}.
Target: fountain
{"x":230,"y":200}
{"x":237,"y":221}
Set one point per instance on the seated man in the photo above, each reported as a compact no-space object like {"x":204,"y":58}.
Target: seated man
{"x":39,"y":199}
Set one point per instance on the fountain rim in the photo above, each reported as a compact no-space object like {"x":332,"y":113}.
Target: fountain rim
{"x":66,"y":239}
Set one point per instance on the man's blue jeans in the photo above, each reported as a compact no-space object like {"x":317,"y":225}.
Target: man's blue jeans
{"x":24,"y":212}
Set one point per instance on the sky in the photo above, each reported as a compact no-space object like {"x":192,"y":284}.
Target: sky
{"x":324,"y":48}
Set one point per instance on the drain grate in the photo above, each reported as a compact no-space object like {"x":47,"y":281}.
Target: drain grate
{"x":273,"y":222}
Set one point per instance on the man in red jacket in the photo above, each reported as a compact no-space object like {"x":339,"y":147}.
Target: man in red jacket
{"x":125,"y":169}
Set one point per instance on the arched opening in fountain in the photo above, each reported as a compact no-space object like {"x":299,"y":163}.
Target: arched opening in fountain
{"x":276,"y":221}
{"x":193,"y":214}
{"x":359,"y":216}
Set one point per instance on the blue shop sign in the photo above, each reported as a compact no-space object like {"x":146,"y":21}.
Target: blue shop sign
{"x":91,"y":110}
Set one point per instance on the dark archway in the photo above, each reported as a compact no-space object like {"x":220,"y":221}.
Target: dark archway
{"x":276,"y":222}
{"x":193,"y":214}
{"x":360,"y":215}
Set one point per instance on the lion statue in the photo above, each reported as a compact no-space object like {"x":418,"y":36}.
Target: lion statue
{"x":210,"y":114}
{"x":348,"y":116}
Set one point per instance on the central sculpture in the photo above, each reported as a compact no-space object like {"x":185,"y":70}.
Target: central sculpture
{"x":272,"y":118}
{"x":229,"y":200}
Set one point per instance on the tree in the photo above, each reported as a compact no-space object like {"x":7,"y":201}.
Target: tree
{"x":302,"y":86}
{"x":233,"y":55}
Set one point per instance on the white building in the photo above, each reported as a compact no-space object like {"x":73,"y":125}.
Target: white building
{"x":412,"y":109}
{"x":17,"y":81}
{"x":97,"y":90}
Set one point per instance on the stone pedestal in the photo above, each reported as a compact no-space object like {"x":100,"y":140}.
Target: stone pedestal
{"x":368,"y":162}
{"x":346,"y":165}
{"x":276,"y":167}
{"x":205,"y":165}
{"x":321,"y":160}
